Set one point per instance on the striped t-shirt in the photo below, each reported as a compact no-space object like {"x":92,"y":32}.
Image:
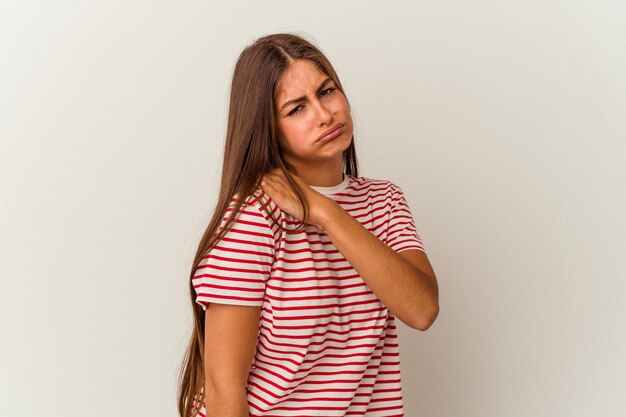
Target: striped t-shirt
{"x":327,"y":346}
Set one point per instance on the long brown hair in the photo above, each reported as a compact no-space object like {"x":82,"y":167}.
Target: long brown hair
{"x":251,"y":149}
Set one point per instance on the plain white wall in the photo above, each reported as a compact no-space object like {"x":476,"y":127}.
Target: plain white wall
{"x":503,"y":122}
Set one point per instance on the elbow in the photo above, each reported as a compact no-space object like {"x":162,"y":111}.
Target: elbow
{"x":224,"y":386}
{"x":425,"y":317}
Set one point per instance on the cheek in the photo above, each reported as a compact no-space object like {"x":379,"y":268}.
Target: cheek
{"x":294,"y":132}
{"x":342,"y":103}
{"x":285,"y":136}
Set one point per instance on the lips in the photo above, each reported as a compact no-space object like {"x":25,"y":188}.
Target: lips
{"x":329,"y":131}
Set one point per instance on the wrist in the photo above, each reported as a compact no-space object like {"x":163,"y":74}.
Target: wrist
{"x":329,"y":212}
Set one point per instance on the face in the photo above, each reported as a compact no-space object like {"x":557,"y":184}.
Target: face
{"x":307,"y":104}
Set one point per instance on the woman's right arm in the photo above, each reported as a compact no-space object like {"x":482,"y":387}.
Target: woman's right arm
{"x":230,"y":340}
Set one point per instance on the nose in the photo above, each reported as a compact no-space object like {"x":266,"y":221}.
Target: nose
{"x":324,"y":113}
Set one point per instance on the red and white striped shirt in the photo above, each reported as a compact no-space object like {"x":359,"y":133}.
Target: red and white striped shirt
{"x":327,"y":346}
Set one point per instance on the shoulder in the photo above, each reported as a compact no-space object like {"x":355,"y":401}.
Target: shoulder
{"x":258,"y":204}
{"x":375,"y":186}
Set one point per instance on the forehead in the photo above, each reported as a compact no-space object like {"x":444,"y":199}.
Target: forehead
{"x":300,"y":78}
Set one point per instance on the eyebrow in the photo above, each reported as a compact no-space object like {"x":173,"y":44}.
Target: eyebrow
{"x":303,"y":98}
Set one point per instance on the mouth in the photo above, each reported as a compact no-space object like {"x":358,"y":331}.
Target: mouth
{"x":331,"y":133}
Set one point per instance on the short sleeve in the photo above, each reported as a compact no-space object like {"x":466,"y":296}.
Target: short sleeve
{"x":402,"y":233}
{"x":236,"y":269}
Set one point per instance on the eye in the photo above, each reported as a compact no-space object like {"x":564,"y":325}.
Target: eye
{"x":324,"y":93}
{"x":295,"y":110}
{"x":330,"y":90}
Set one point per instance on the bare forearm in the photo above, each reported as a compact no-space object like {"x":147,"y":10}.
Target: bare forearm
{"x":226,"y":403}
{"x":410,"y":294}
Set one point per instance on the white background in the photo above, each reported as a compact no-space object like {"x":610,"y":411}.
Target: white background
{"x":503,"y":121}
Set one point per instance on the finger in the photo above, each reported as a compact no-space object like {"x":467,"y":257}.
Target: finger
{"x":278,"y":178}
{"x":277,"y":174}
{"x":271,"y":181}
{"x":266,"y":182}
{"x":274,"y":171}
{"x":273,"y":174}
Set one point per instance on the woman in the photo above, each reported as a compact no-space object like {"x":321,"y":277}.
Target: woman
{"x":296,"y":286}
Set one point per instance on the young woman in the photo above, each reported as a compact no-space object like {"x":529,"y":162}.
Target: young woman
{"x":305,"y":265}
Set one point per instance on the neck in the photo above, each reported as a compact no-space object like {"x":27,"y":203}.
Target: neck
{"x":321,"y":174}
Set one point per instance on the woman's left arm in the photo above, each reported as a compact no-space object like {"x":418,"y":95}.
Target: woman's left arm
{"x":404,"y":282}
